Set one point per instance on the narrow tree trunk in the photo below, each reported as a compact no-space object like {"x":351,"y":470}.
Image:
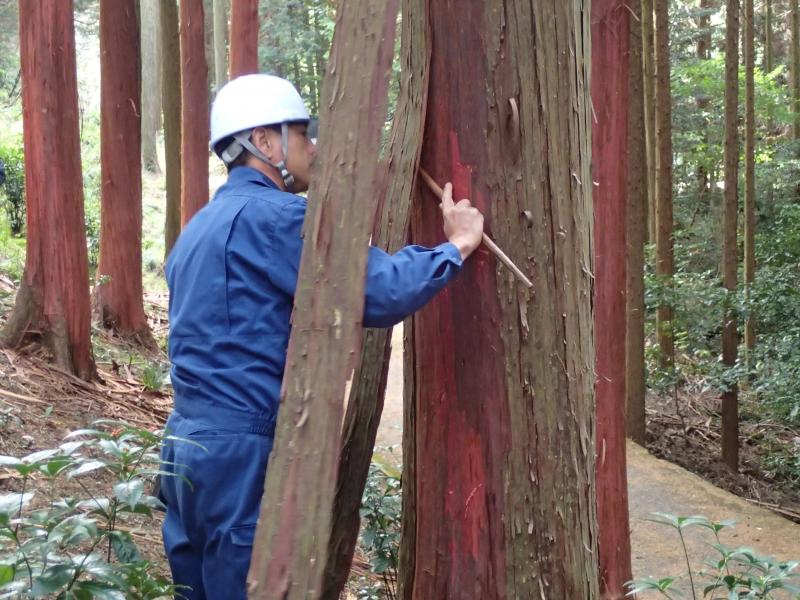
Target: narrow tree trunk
{"x":391,"y":232}
{"x":220,"y":43}
{"x":171,"y":95}
{"x":610,"y":99}
{"x":749,"y":176}
{"x":53,"y":300}
{"x":663,"y":109}
{"x":704,"y":53}
{"x":194,"y":110}
{"x":649,"y":67}
{"x":499,"y":443}
{"x":768,"y":60}
{"x":730,"y":409}
{"x":290,"y":549}
{"x":119,"y":272}
{"x":636,"y":236}
{"x":244,"y":37}
{"x":151,"y":83}
{"x":795,"y":17}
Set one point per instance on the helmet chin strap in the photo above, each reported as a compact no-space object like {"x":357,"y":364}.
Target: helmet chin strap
{"x":243,"y":138}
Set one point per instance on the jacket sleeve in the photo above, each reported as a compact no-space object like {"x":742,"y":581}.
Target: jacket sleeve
{"x":396,"y":286}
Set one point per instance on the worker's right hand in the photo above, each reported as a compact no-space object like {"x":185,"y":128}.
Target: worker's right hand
{"x":463,"y":223}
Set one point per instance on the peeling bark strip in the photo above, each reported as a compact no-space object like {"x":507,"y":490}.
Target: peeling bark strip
{"x":290,"y":550}
{"x":119,"y":274}
{"x":53,"y":300}
{"x":610,"y":37}
{"x":500,"y":436}
{"x":390,"y":233}
{"x":194,"y":110}
{"x":244,"y":37}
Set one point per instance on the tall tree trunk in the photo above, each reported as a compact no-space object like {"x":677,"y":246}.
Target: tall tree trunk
{"x":704,"y":53}
{"x":53,"y":300}
{"x":749,"y":176}
{"x":795,"y":12}
{"x":194,"y":110}
{"x":119,"y":272}
{"x":244,"y":37}
{"x":610,"y":99}
{"x":730,"y":254}
{"x":649,"y":67}
{"x":663,"y":110}
{"x":171,"y":95}
{"x":151,"y":83}
{"x":391,"y":233}
{"x":220,"y":43}
{"x":290,"y":549}
{"x":768,"y":60}
{"x":636,"y":235}
{"x":499,"y":438}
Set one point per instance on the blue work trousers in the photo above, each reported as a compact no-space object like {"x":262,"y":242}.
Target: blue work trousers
{"x":212,"y":513}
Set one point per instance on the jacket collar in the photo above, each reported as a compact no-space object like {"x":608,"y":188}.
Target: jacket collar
{"x":243,"y":174}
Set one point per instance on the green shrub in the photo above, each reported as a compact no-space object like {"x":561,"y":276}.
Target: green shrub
{"x":12,"y":192}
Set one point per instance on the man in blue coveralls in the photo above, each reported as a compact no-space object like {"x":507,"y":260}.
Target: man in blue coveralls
{"x":232,"y":276}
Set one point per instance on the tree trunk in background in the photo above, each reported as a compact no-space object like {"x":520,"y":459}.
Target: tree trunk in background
{"x":636,"y":235}
{"x":119,"y":272}
{"x":390,"y":233}
{"x":730,"y":254}
{"x":194,"y":110}
{"x":244,"y":37}
{"x":151,"y":83}
{"x":649,"y":67}
{"x":290,"y":549}
{"x":704,"y":24}
{"x":749,"y":176}
{"x":704,"y":53}
{"x":171,"y":96}
{"x":795,"y":70}
{"x":220,"y":43}
{"x":53,"y":299}
{"x":610,"y":99}
{"x":499,"y":437}
{"x":768,"y":60}
{"x":663,"y":110}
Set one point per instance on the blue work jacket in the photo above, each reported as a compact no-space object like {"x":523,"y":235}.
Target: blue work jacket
{"x":232,"y":276}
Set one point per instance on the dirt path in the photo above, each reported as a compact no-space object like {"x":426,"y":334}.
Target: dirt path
{"x":654,"y":486}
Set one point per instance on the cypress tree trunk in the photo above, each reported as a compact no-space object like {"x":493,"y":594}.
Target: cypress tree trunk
{"x":499,"y":438}
{"x":194,"y":109}
{"x":220,"y":43}
{"x":244,"y":37}
{"x":290,"y":549}
{"x":151,"y":82}
{"x":391,"y":232}
{"x":119,"y":272}
{"x":637,"y":199}
{"x":749,"y":176}
{"x":53,"y":300}
{"x":171,"y":95}
{"x":768,"y":60}
{"x":730,"y":258}
{"x":610,"y":99}
{"x":663,"y":110}
{"x":649,"y":67}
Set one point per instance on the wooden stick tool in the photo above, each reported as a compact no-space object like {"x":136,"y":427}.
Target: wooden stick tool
{"x":493,"y":248}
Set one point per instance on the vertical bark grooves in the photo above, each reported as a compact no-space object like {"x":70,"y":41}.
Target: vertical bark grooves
{"x":119,"y":272}
{"x":390,"y":233}
{"x":244,"y":37}
{"x":194,"y":110}
{"x":171,"y":98}
{"x":610,"y":99}
{"x":503,"y":491}
{"x":749,"y":175}
{"x":637,"y":198}
{"x":221,"y":43}
{"x":663,"y":115}
{"x":53,"y":300}
{"x":649,"y":68}
{"x":290,"y":549}
{"x":730,"y":254}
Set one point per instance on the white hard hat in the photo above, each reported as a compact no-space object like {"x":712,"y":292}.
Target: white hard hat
{"x":252,"y":101}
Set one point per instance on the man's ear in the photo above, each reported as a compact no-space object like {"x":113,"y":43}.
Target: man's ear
{"x":261,"y":140}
